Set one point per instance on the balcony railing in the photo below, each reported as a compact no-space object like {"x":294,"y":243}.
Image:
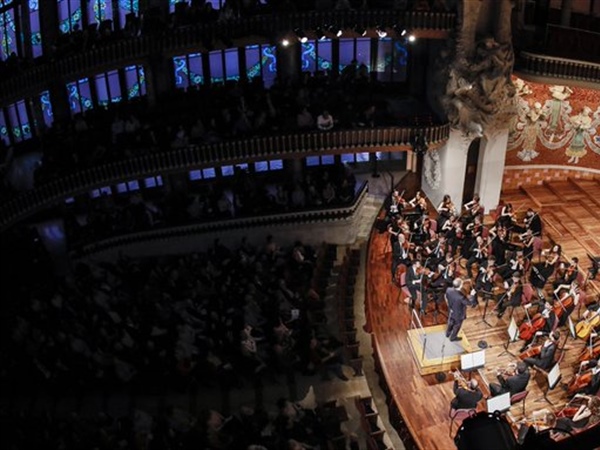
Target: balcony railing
{"x":553,"y":67}
{"x":566,"y":42}
{"x":126,"y":51}
{"x":252,"y":149}
{"x":313,"y":216}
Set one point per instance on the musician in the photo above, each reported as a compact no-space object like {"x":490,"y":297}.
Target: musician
{"x":400,"y":254}
{"x":435,"y":251}
{"x":499,"y":244}
{"x":414,"y":280}
{"x":466,"y":397}
{"x":587,"y":415}
{"x":474,"y":207}
{"x":549,"y":318}
{"x":397,"y":204}
{"x":513,"y":294}
{"x":539,"y":275}
{"x":419,"y":202}
{"x":445,"y":209}
{"x":568,"y":275}
{"x":531,"y":222}
{"x":515,"y":264}
{"x":478,"y":254}
{"x":457,"y":307}
{"x":528,"y":239}
{"x":571,"y":290}
{"x":594,"y":386}
{"x":515,"y":383}
{"x":506,"y":216}
{"x":545,"y":360}
{"x":554,"y":254}
{"x":485,"y":277}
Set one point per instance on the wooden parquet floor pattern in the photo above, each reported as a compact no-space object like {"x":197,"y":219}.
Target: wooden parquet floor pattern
{"x":423,"y":401}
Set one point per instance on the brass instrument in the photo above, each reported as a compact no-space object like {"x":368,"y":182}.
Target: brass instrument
{"x":462,"y":381}
{"x":508,"y":371}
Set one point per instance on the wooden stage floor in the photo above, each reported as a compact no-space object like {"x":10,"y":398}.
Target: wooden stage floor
{"x":423,"y":401}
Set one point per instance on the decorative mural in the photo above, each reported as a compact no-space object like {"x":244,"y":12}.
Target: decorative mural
{"x":555,"y":125}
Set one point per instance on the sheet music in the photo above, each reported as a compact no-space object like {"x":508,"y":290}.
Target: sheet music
{"x":553,"y":376}
{"x":474,"y":360}
{"x":499,"y":403}
{"x":572,"y":328}
{"x":513,"y":330}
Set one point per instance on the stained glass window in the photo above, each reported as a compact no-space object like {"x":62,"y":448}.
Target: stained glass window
{"x":127,"y":7}
{"x":80,"y":99}
{"x":232,"y":66}
{"x":69,"y":15}
{"x":3,"y":129}
{"x":46,"y":108}
{"x":108,"y":89}
{"x":187,"y":70}
{"x":19,"y":121}
{"x":135,"y":79}
{"x":355,"y":49}
{"x":99,"y":10}
{"x":261,"y":61}
{"x":8,"y":42}
{"x":316,"y":55}
{"x":217,"y":72}
{"x":34,"y":26}
{"x":392,"y":60}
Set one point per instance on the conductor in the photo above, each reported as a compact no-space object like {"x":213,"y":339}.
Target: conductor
{"x":457,"y":307}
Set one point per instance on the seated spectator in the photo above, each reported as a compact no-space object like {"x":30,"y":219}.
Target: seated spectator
{"x":304,"y":119}
{"x":325,"y":121}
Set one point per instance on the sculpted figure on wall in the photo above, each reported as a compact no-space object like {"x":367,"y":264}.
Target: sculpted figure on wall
{"x":480,"y":95}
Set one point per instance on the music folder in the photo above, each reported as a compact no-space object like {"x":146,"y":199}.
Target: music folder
{"x":472,"y":361}
{"x":499,"y":403}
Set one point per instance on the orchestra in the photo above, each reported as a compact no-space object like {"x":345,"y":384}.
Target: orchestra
{"x":452,"y":258}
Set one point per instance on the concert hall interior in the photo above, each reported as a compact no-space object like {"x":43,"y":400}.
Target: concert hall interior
{"x":299,"y":224}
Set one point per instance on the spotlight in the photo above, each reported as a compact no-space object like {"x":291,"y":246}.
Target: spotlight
{"x":403,"y":32}
{"x":285,"y":42}
{"x":301,"y":35}
{"x":412,"y":38}
{"x":400,"y":31}
{"x":334,"y":30}
{"x":339,"y":32}
{"x":320,"y":34}
{"x":362,"y":31}
{"x":381,"y":32}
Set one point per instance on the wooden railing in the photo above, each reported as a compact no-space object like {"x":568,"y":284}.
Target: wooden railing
{"x":553,"y":67}
{"x":209,"y":155}
{"x":298,"y":217}
{"x":129,"y":51}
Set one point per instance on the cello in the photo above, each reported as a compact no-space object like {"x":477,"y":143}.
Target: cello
{"x":530,"y":327}
{"x":590,"y":352}
{"x":584,"y":327}
{"x":579,"y":382}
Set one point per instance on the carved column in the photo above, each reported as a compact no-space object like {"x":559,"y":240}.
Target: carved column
{"x":490,"y":169}
{"x":453,"y":164}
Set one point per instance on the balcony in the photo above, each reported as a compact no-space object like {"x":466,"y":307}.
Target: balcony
{"x":560,"y":68}
{"x":247,"y":150}
{"x":128,"y":51}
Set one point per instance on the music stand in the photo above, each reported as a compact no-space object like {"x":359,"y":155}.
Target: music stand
{"x":513,"y":336}
{"x":499,"y":403}
{"x":553,"y":377}
{"x":487,"y":296}
{"x":472,"y":361}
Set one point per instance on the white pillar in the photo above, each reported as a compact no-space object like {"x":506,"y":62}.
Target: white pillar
{"x":490,"y":168}
{"x":453,"y":164}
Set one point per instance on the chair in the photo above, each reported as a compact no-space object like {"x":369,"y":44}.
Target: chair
{"x":405,"y":291}
{"x":520,"y":396}
{"x":458,"y":415}
{"x":538,"y":245}
{"x":527,"y":293}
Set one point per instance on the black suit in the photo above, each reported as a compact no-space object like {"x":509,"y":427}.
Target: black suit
{"x":465,"y":398}
{"x":515,"y":384}
{"x":546,"y":358}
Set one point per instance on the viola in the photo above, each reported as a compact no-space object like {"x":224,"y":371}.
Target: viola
{"x":528,"y":328}
{"x":579,"y":382}
{"x":531,"y":352}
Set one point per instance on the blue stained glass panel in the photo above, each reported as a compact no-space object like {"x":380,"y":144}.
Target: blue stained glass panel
{"x":180,"y":71}
{"x":69,"y":15}
{"x":13,"y":119}
{"x":232,"y":66}
{"x":269,"y":64}
{"x":276,"y":164}
{"x":308,"y":56}
{"x":324,"y":55}
{"x":253,"y":66}
{"x":99,"y":10}
{"x":196,"y":75}
{"x":347,"y":157}
{"x":3,"y":129}
{"x":24,"y":119}
{"x":227,"y":171}
{"x":101,"y":90}
{"x":133,"y":185}
{"x":216,"y":66}
{"x":209,"y":173}
{"x":46,"y":108}
{"x":135,"y":80}
{"x":34,"y":26}
{"x":261,"y":166}
{"x":312,"y":161}
{"x":8,"y":44}
{"x":127,"y":7}
{"x":346,"y":52}
{"x":114,"y":86}
{"x":121,"y":188}
{"x":383,"y":66}
{"x":195,"y":175}
{"x":363,"y":52}
{"x":327,"y":159}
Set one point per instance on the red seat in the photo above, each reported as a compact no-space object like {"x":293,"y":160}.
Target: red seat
{"x":458,"y":415}
{"x":519,"y":397}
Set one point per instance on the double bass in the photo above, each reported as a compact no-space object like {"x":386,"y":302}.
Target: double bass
{"x":584,"y":327}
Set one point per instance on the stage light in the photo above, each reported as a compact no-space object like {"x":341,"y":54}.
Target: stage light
{"x":301,"y":35}
{"x":403,"y":32}
{"x":412,"y":38}
{"x":285,"y":42}
{"x":362,"y":31}
{"x":381,"y":32}
{"x":320,"y":34}
{"x":339,"y":32}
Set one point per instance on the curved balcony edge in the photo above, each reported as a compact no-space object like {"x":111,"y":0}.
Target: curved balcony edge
{"x":253,"y":149}
{"x":567,"y":70}
{"x":126,"y":51}
{"x":291,"y":218}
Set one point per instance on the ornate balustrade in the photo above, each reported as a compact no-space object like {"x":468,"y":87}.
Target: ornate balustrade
{"x":313,"y":216}
{"x":553,"y":67}
{"x":128,"y":51}
{"x":246,"y":150}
